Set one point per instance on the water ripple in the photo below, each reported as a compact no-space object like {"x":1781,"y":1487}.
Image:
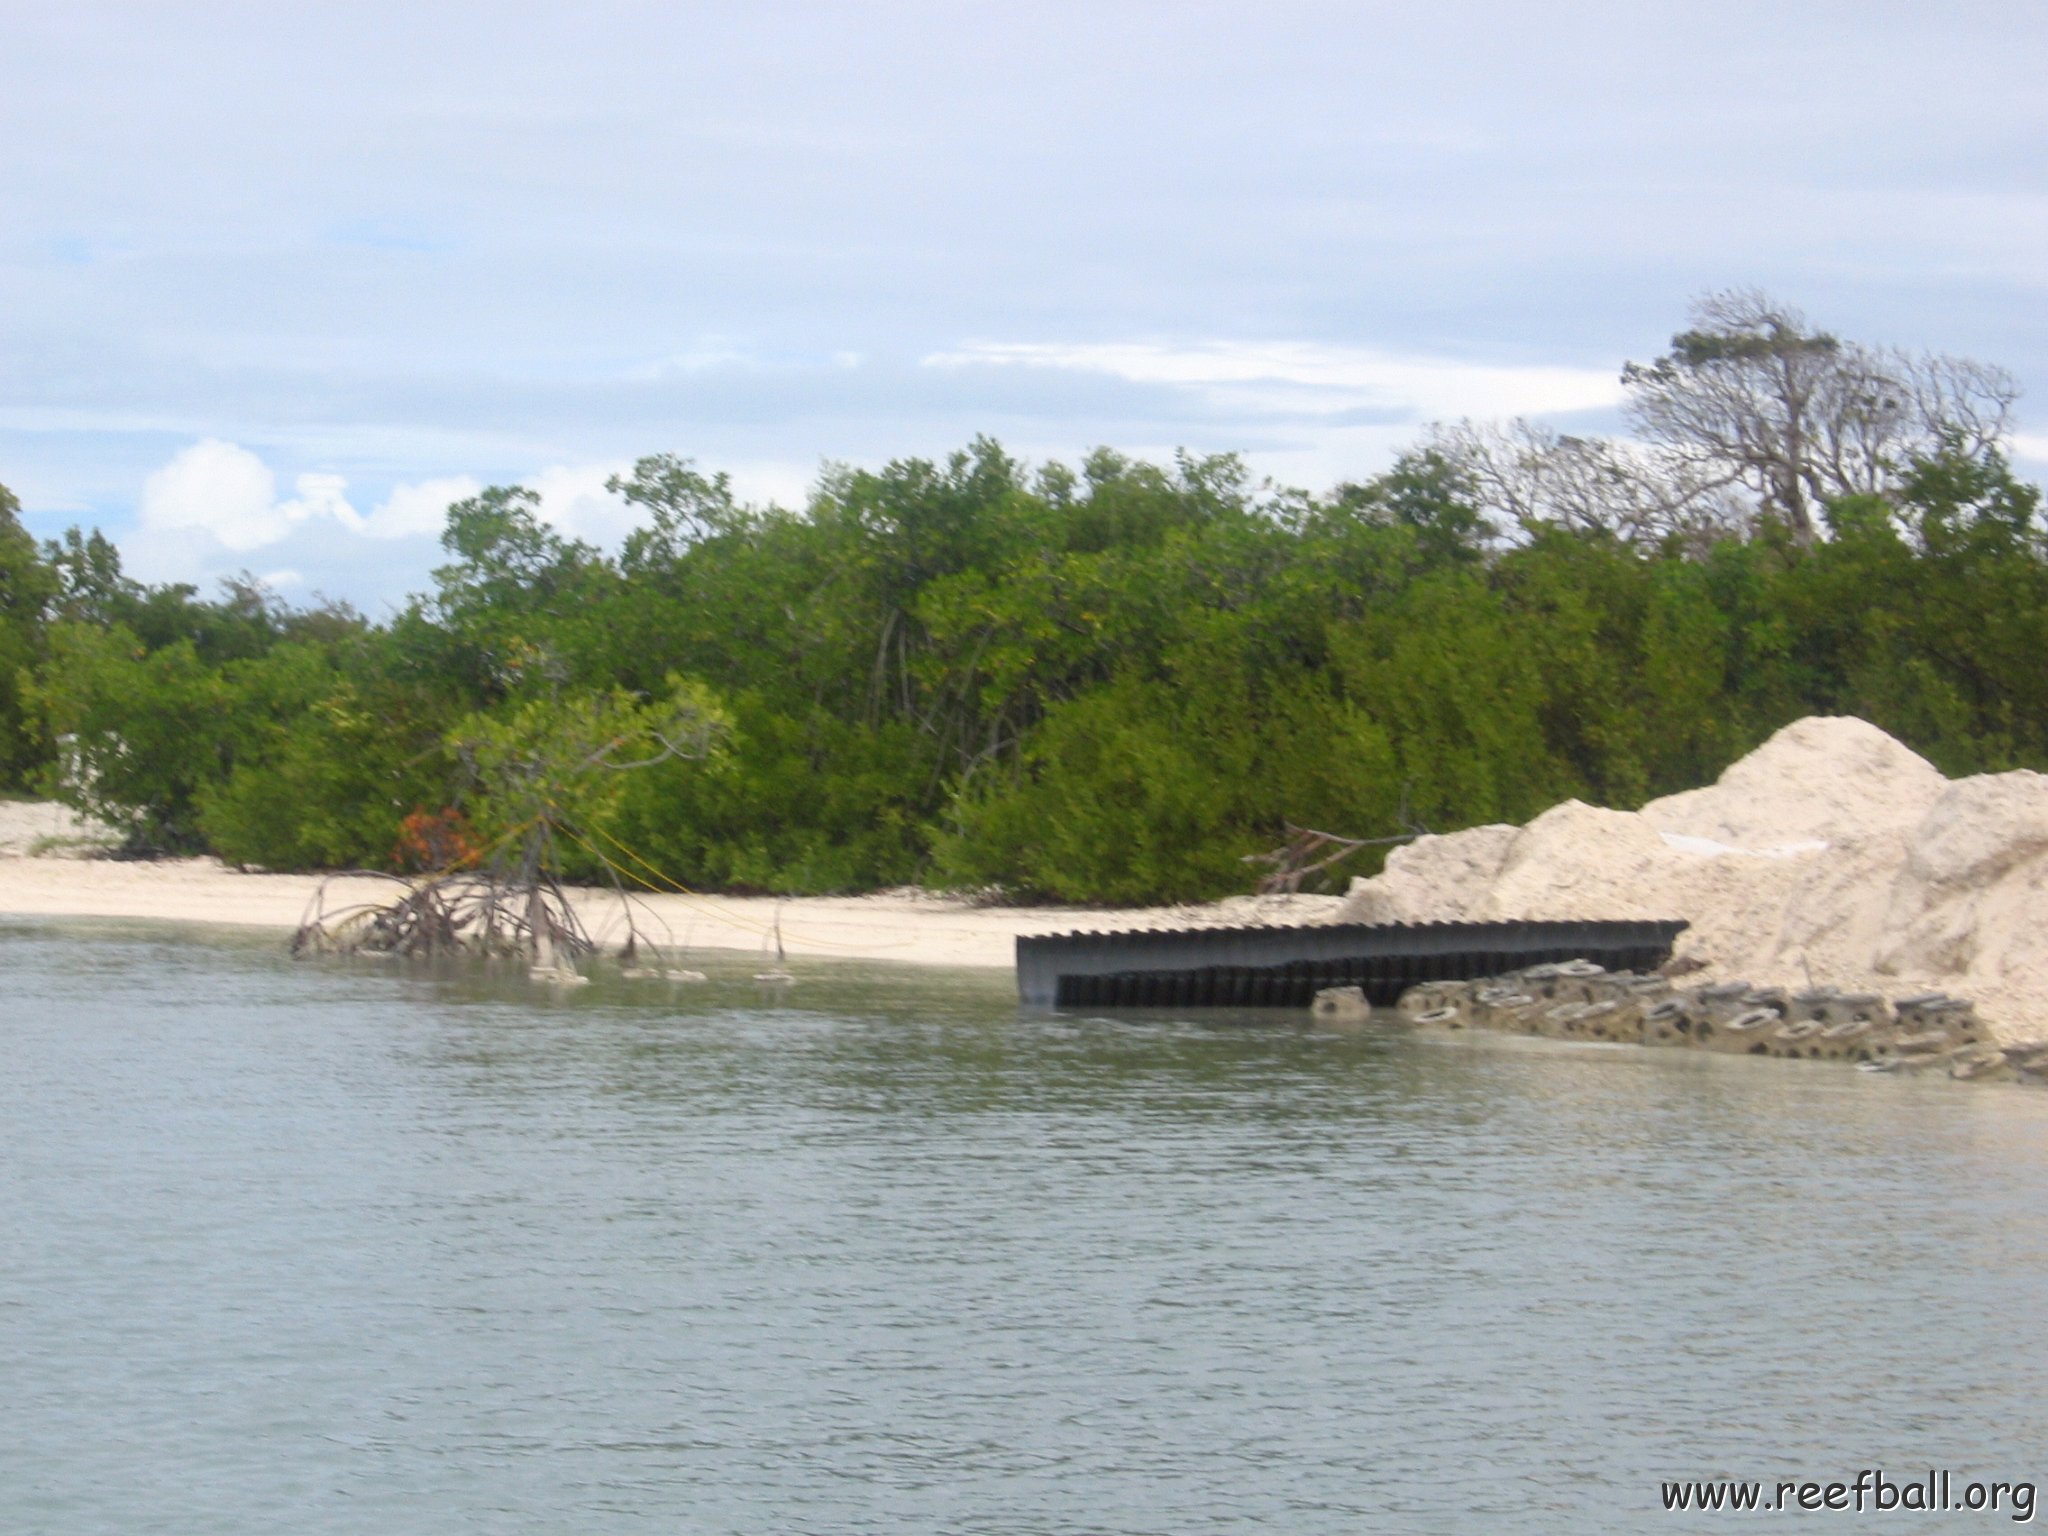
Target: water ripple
{"x":314,"y":1249}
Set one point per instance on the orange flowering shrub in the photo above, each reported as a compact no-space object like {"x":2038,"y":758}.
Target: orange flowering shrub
{"x":435,"y":840}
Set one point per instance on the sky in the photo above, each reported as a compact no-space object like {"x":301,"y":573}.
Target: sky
{"x":278,"y":283}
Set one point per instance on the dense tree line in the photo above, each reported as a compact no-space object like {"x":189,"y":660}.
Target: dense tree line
{"x":1109,"y":683}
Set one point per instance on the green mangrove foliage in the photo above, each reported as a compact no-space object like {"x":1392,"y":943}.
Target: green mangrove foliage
{"x":1108,"y":682}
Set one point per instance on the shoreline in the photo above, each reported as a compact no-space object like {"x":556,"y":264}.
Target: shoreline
{"x":52,"y":865}
{"x":906,"y":926}
{"x":910,"y":926}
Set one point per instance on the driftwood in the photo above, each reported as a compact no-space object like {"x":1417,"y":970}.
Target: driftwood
{"x":1309,"y":852}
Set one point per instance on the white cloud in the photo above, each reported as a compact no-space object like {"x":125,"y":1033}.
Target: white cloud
{"x":420,"y":508}
{"x":1310,"y":380}
{"x":225,"y":491}
{"x":705,"y":359}
{"x":320,"y":495}
{"x":202,"y":513}
{"x":2030,"y":445}
{"x":723,"y":357}
{"x":574,"y":500}
{"x":216,"y":487}
{"x":782,"y":482}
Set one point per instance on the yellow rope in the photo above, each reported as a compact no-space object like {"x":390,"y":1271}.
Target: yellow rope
{"x":672,"y":884}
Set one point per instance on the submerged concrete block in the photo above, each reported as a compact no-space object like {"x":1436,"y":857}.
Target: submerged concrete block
{"x":1798,"y":1039}
{"x":1618,"y":1021}
{"x":1748,"y":1033}
{"x":1503,"y":1008}
{"x":1723,"y":1001}
{"x":1340,"y":1006}
{"x":1671,"y":1021}
{"x":1429,"y":996}
{"x":1982,"y":1063}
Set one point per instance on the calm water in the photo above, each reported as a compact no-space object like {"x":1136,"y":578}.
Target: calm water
{"x":302,"y":1248}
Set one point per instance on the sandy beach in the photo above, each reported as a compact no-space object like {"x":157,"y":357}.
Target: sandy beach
{"x":912,"y":926}
{"x":1831,"y":855}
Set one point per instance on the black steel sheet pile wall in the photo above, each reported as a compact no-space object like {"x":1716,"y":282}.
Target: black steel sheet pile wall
{"x":1286,"y":967}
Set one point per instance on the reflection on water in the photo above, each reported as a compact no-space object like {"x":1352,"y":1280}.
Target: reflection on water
{"x":325,"y":1248}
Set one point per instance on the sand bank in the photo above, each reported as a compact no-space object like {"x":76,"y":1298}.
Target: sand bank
{"x":1831,"y":855}
{"x":917,"y":927}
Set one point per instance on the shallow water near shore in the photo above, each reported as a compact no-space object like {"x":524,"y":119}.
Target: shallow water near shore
{"x":320,"y":1247}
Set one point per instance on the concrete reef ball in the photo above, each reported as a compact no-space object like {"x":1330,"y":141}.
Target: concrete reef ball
{"x":1577,"y":1000}
{"x":1341,"y":1005}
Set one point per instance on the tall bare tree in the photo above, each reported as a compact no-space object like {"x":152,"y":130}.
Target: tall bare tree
{"x":1750,"y":398}
{"x":1533,"y":475}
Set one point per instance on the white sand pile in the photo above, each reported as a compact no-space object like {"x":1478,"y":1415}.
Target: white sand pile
{"x":1830,"y":855}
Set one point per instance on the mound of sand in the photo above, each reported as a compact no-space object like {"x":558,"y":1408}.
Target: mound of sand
{"x":1433,"y":879}
{"x":1831,"y":854}
{"x":1822,"y":779}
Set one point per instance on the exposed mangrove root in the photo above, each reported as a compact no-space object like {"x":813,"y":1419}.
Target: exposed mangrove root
{"x":506,"y":901}
{"x":661,"y":973}
{"x":461,"y":913}
{"x":777,"y":974}
{"x":523,"y":917}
